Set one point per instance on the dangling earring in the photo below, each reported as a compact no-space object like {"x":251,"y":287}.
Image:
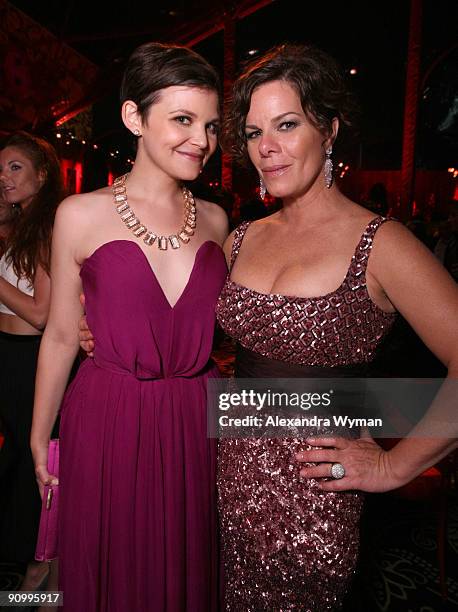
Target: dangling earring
{"x":328,"y":168}
{"x":262,"y":188}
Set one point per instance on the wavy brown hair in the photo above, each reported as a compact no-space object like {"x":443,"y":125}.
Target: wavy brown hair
{"x":29,"y":243}
{"x":315,"y":76}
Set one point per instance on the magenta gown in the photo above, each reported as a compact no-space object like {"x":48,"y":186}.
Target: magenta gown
{"x":137,"y":527}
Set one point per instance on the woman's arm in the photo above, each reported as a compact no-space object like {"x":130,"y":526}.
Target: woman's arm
{"x":424,"y":293}
{"x":33,"y":309}
{"x":215,"y":218}
{"x":59,"y":345}
{"x":85,"y":335}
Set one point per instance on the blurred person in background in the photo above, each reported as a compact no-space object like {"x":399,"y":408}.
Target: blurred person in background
{"x":30,"y":180}
{"x":446,"y":248}
{"x":8,"y":214}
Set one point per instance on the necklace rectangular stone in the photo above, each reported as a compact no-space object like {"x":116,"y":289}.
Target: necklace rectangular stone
{"x":174,"y":241}
{"x":162,"y":243}
{"x":122,"y":207}
{"x":127,"y":215}
{"x":132,"y":222}
{"x":149,"y":238}
{"x":140,"y":231}
{"x":184,"y":237}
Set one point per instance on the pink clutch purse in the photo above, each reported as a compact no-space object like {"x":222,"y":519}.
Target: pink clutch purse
{"x":47,"y":532}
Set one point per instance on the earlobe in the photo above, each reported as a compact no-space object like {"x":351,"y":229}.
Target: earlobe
{"x":42,"y":174}
{"x":334,"y":132}
{"x":131,"y":117}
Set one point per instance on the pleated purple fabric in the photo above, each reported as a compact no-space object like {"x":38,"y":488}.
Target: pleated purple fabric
{"x":137,"y":526}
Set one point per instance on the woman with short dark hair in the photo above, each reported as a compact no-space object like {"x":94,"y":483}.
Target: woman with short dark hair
{"x":137,"y":472}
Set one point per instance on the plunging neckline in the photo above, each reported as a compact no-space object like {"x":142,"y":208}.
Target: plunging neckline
{"x":151,"y":269}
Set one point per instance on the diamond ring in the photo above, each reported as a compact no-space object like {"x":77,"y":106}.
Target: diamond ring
{"x":337,"y":471}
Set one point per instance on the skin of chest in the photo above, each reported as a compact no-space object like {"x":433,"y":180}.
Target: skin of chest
{"x":302,"y":265}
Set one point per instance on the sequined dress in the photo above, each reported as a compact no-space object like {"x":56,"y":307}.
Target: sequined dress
{"x":287,"y":545}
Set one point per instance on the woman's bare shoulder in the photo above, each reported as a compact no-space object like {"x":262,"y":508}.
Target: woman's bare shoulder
{"x":211,"y":210}
{"x":214,"y":217}
{"x":356,"y":213}
{"x":227,"y":246}
{"x":81,"y":211}
{"x":79,"y":201}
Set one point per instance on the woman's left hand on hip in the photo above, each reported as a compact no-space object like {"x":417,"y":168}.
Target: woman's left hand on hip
{"x":366,"y":466}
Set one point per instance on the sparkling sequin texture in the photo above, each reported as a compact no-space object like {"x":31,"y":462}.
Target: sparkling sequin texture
{"x":343,"y":327}
{"x":287,"y":545}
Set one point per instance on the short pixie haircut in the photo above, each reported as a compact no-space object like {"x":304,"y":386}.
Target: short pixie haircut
{"x":154,"y":66}
{"x":317,"y":79}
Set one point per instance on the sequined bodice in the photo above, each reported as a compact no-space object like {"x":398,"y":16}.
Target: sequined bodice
{"x":340,"y":328}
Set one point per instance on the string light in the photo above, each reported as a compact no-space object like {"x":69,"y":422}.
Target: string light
{"x":344,"y":169}
{"x":71,"y":138}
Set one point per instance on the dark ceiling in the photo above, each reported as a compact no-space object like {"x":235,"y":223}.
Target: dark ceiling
{"x":96,"y":37}
{"x":66,"y":55}
{"x":105,"y":31}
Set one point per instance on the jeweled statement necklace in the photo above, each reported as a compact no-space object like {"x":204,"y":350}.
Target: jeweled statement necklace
{"x":133,"y":223}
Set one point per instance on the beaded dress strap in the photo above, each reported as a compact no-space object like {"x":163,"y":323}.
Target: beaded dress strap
{"x":238,"y":237}
{"x":360,"y":258}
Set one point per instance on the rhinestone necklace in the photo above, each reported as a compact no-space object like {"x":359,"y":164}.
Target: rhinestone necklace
{"x":133,"y":223}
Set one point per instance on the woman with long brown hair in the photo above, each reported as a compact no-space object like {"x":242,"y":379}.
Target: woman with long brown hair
{"x":30,"y":179}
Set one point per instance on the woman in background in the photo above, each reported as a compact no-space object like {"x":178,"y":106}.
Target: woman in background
{"x":30,"y":180}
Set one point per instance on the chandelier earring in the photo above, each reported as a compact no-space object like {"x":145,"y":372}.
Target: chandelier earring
{"x":328,"y":168}
{"x":262,"y":188}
